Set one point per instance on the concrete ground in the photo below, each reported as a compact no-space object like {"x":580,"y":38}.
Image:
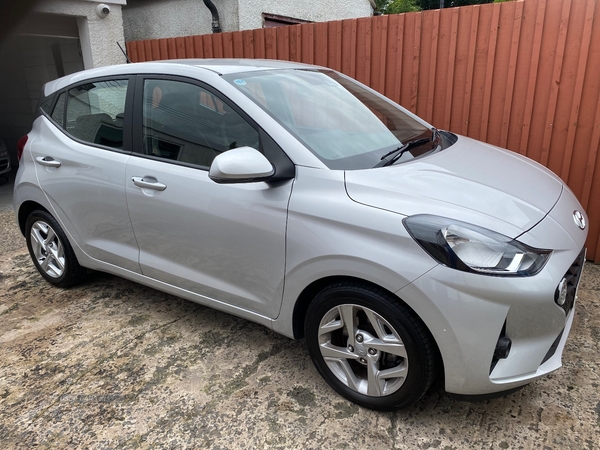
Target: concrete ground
{"x":112,"y":364}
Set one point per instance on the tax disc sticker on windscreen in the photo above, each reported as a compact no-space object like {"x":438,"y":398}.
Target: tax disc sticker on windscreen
{"x":240,"y":82}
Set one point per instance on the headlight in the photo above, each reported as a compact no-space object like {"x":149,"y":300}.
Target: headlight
{"x":4,"y":154}
{"x":470,"y":248}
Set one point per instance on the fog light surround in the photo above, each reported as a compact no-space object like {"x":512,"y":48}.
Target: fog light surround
{"x":561,"y":292}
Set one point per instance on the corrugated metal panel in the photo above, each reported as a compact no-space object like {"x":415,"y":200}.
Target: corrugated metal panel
{"x":521,"y":75}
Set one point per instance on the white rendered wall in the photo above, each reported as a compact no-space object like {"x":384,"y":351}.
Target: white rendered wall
{"x":155,"y":19}
{"x":250,"y":11}
{"x":98,"y":36}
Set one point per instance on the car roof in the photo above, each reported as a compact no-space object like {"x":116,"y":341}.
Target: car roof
{"x":220,"y":66}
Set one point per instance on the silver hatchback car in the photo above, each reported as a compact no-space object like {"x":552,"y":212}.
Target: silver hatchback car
{"x":296,"y":197}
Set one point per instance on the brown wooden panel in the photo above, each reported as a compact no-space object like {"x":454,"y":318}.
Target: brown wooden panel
{"x":308,"y":43}
{"x":378,"y":53}
{"x":468,"y":89}
{"x":171,"y":48}
{"x":349,"y":47}
{"x":283,"y":43}
{"x":217,"y":45}
{"x":148,"y":50}
{"x":189,"y":46}
{"x":227,"y":39}
{"x":132,"y":51}
{"x":248,"y":42}
{"x":238,"y":45}
{"x":207,"y":45}
{"x":321,"y":44}
{"x":271,"y":42}
{"x":448,"y":99}
{"x":180,"y":45}
{"x":363,"y":50}
{"x":555,"y":82}
{"x":393,"y":72}
{"x":489,"y":71}
{"x":295,"y":43}
{"x":198,"y":47}
{"x":259,"y":43}
{"x":512,"y":69}
{"x":334,"y":45}
{"x":578,"y":90}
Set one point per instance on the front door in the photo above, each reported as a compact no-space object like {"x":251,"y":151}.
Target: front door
{"x":223,"y":241}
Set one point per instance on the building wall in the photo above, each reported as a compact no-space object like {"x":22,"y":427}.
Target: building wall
{"x":157,"y":19}
{"x":152,"y":19}
{"x":250,"y":11}
{"x":98,"y":35}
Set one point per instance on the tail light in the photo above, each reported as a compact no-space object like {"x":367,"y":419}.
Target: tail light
{"x":20,"y":146}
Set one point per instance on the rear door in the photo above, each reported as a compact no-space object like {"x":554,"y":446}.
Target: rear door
{"x":80,"y":157}
{"x":223,"y":241}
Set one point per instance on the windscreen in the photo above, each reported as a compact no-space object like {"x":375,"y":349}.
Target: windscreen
{"x":345,"y":125}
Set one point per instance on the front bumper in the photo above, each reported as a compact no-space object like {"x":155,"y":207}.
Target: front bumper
{"x":467,"y":313}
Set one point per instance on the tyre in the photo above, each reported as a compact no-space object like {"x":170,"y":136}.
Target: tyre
{"x":369,"y":346}
{"x":50,"y":250}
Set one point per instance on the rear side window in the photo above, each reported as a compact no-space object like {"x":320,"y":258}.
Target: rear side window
{"x":59,"y":110}
{"x":95,"y":112}
{"x":46,"y":104}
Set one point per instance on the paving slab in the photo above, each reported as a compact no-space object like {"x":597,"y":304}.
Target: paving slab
{"x":112,"y":364}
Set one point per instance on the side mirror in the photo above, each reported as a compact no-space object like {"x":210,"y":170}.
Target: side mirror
{"x":240,"y":165}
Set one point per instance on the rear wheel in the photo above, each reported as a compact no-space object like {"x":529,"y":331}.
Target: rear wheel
{"x":369,"y":346}
{"x":50,"y":250}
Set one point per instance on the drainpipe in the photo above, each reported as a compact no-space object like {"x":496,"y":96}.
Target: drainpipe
{"x":216,"y":25}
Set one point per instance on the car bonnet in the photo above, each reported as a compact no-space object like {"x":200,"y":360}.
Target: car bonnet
{"x":469,"y":181}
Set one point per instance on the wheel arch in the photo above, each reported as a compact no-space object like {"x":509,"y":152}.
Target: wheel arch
{"x":25,"y":210}
{"x":310,"y":291}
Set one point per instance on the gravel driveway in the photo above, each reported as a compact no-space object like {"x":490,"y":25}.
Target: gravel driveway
{"x":112,"y":364}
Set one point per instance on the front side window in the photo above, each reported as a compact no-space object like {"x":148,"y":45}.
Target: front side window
{"x":95,"y":112}
{"x":186,"y":123}
{"x":345,"y":125}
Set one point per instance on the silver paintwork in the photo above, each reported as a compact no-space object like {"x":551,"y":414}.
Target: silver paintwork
{"x":84,"y":188}
{"x":189,"y":234}
{"x":251,"y":249}
{"x":240,"y":164}
{"x":371,"y":351}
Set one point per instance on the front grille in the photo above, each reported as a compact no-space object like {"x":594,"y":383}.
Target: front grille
{"x":3,"y":166}
{"x":572,"y":276}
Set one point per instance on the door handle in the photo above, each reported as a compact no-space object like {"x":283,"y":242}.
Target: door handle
{"x":47,"y":161}
{"x":149,"y":183}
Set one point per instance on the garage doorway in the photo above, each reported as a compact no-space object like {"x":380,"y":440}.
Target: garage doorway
{"x":43,"y":48}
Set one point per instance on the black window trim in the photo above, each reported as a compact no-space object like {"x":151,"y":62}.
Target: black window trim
{"x":127,"y":119}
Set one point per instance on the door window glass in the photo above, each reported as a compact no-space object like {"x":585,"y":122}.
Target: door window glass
{"x":185,"y":123}
{"x":95,"y":112}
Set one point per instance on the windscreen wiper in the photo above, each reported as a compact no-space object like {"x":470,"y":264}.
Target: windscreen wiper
{"x":398,"y":152}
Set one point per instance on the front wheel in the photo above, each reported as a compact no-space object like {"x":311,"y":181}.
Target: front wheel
{"x":50,"y":250}
{"x":369,"y":346}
